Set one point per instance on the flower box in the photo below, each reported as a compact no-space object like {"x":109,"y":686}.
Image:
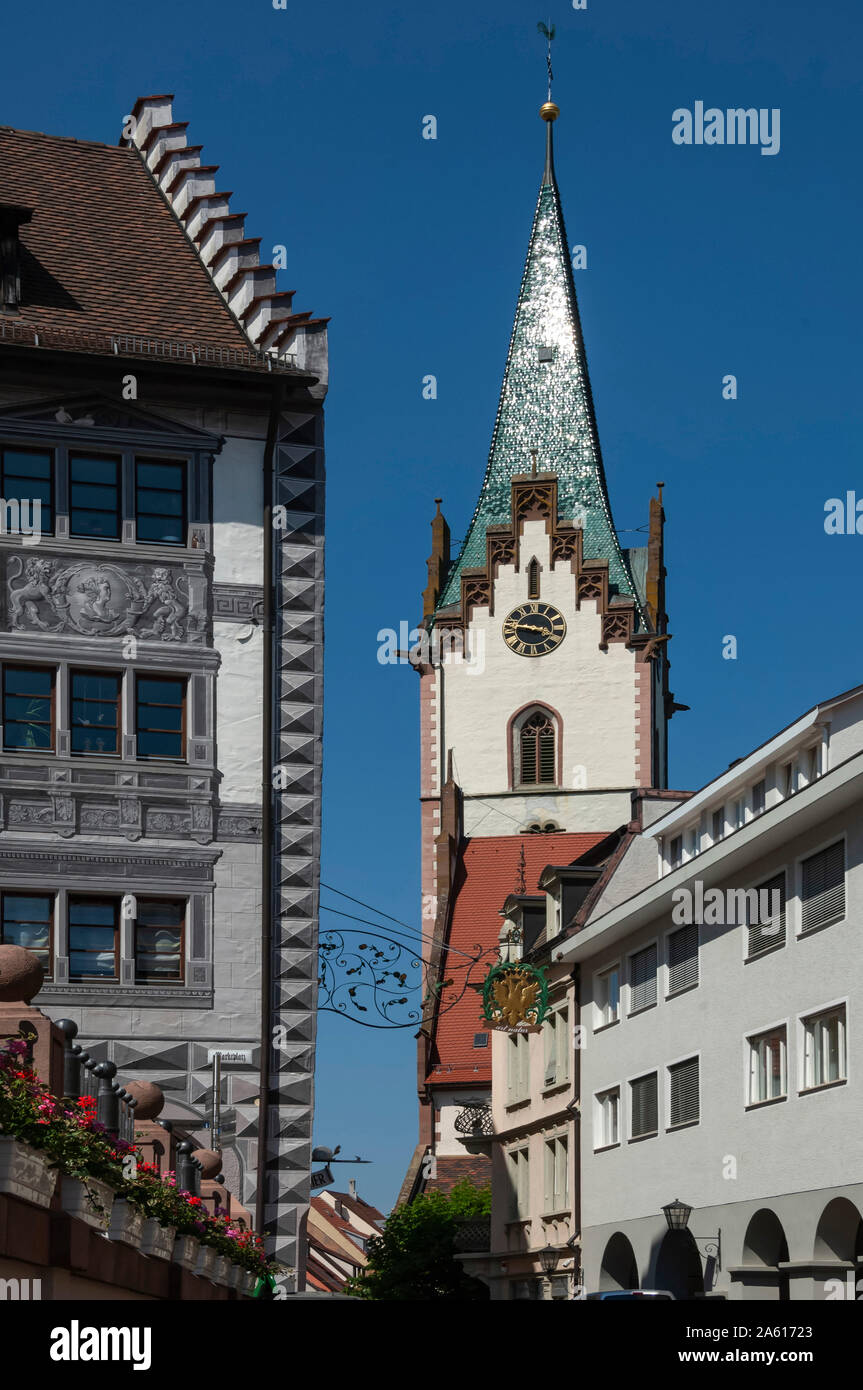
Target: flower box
{"x":126,"y":1223}
{"x":221,"y":1270}
{"x":24,"y":1172}
{"x":77,"y":1201}
{"x":248,"y":1283}
{"x":206,"y":1260}
{"x":157,"y":1240}
{"x":186,"y":1250}
{"x":235,"y":1275}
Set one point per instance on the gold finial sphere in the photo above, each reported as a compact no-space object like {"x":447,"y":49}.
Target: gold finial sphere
{"x":549,"y":111}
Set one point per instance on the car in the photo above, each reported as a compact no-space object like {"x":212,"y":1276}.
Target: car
{"x":633,"y":1293}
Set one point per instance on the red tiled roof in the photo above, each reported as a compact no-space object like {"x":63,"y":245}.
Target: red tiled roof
{"x":104,"y":251}
{"x":358,"y":1206}
{"x":487,"y":873}
{"x":476,"y":1168}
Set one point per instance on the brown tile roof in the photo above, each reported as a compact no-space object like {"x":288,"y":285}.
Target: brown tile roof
{"x":104,"y":251}
{"x":487,"y":872}
{"x":476,"y":1168}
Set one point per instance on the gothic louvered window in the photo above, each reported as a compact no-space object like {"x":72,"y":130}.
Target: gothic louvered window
{"x":533,"y":579}
{"x":536,"y":750}
{"x":823,"y":896}
{"x":683,"y":1097}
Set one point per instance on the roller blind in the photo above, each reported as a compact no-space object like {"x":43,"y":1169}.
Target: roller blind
{"x":683,"y":958}
{"x":642,"y":979}
{"x":823,"y":895}
{"x":683,"y":1100}
{"x":645,"y":1107}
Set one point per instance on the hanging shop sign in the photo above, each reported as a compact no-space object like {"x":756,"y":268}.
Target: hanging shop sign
{"x":515,"y":998}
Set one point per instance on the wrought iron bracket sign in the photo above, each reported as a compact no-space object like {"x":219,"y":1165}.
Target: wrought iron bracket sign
{"x":515,"y":998}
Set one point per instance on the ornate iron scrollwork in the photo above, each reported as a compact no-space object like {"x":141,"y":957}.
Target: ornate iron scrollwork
{"x":382,"y":983}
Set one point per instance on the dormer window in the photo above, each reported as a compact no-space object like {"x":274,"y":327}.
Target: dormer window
{"x":534,"y":750}
{"x":11,"y":219}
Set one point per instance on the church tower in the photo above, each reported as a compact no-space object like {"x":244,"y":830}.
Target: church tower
{"x":543,"y":675}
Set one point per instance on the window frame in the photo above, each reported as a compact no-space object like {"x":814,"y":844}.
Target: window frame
{"x":838,"y":1007}
{"x":184,"y":736}
{"x":518,"y":724}
{"x":117,"y":903}
{"x":183,"y":904}
{"x":52,"y":921}
{"x":613,"y":967}
{"x":5,"y":448}
{"x":600,"y":1142}
{"x":751,"y":1062}
{"x":159,"y":460}
{"x":119,"y":676}
{"x":94,"y":456}
{"x":27,"y":666}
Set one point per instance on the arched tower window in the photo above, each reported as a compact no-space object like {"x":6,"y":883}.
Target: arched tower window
{"x":535,"y":748}
{"x":533,"y":579}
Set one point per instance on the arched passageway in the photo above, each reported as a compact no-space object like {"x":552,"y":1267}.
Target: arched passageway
{"x":678,"y":1266}
{"x":618,"y":1269}
{"x":765,"y":1244}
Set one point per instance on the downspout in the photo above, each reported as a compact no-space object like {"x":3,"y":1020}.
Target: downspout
{"x":267,"y":806}
{"x":576,"y":1123}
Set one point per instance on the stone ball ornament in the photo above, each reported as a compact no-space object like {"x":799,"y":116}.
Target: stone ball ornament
{"x":21,"y":975}
{"x":210,"y":1161}
{"x":150,"y":1098}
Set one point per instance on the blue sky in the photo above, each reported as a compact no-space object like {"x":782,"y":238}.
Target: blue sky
{"x":702,"y":261}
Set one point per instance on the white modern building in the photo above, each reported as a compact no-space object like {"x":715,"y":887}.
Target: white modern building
{"x":718,"y":975}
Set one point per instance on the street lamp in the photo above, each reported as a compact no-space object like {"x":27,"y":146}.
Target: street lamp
{"x":677,"y":1215}
{"x":548,"y":1258}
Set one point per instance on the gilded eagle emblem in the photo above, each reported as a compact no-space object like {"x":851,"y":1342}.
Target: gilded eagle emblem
{"x":515,"y":996}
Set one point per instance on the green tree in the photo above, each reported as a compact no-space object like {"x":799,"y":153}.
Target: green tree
{"x":415,"y":1259}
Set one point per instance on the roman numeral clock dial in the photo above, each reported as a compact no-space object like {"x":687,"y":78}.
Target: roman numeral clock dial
{"x":533,"y":629}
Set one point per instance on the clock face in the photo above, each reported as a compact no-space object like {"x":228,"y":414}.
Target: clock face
{"x":534,"y":628}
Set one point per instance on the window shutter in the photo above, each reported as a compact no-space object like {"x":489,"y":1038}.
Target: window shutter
{"x":683,"y":958}
{"x":824,"y":887}
{"x":768,"y":930}
{"x":528,"y":755}
{"x":684,"y":1092}
{"x":642,"y":979}
{"x":561,"y":1039}
{"x":645,"y":1107}
{"x":551,"y":1024}
{"x":546,"y":755}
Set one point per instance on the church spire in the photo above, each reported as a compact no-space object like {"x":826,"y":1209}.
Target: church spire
{"x":546,"y":402}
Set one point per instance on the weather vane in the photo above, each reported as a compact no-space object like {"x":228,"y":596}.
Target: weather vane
{"x":548,"y":31}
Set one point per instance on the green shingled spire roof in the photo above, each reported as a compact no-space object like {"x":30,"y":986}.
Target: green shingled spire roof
{"x":546,"y":403}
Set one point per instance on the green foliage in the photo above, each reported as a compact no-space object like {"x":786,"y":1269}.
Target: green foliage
{"x":415,"y":1259}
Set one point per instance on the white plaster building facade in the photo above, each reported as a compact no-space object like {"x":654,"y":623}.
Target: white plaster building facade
{"x":722,"y":1050}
